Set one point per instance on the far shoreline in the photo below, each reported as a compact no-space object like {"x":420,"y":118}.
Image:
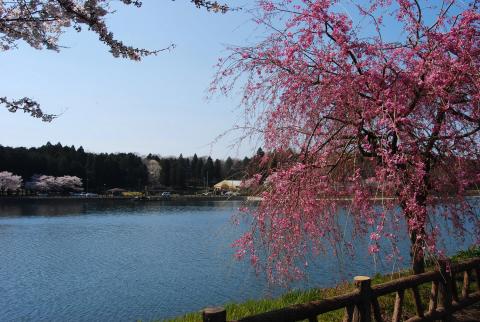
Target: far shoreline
{"x":173,"y":198}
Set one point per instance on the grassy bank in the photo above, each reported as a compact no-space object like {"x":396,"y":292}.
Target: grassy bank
{"x":239,"y":310}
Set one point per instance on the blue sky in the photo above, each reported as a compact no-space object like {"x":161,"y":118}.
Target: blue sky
{"x":155,"y":106}
{"x":114,"y":105}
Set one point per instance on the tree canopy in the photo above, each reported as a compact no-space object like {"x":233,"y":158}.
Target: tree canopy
{"x":332,"y":94}
{"x":9,"y":181}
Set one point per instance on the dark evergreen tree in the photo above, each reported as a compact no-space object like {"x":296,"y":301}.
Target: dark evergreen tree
{"x":208,"y":171}
{"x":193,"y":168}
{"x":165,"y":173}
{"x":217,"y":170}
{"x":237,"y":170}
{"x":173,"y":172}
{"x":260,"y":153}
{"x":227,"y":167}
{"x":198,"y":172}
{"x":188,"y":172}
{"x":180,"y":172}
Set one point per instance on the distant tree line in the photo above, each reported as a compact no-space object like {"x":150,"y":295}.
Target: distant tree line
{"x":102,"y":171}
{"x":180,"y":172}
{"x":97,"y":171}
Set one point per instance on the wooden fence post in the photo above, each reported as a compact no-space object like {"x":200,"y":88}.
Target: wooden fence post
{"x":214,"y":314}
{"x":432,"y":306}
{"x":364,"y":307}
{"x":348,"y":316}
{"x":466,"y":283}
{"x":398,"y":306}
{"x":445,"y":290}
{"x":477,"y":275}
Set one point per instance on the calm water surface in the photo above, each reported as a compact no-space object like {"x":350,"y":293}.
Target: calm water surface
{"x":125,"y":261}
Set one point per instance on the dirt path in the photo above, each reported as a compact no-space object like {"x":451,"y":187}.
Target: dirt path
{"x":470,"y":314}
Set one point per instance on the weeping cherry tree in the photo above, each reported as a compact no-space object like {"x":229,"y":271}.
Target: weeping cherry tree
{"x":374,"y":108}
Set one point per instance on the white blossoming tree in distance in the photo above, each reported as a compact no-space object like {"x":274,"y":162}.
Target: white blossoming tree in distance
{"x":64,"y":184}
{"x":9,"y":181}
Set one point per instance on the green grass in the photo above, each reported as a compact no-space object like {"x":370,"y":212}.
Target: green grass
{"x":251,"y":307}
{"x":239,"y":310}
{"x":473,"y":251}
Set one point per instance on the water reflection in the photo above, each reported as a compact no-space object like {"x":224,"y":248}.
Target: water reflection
{"x":73,"y":206}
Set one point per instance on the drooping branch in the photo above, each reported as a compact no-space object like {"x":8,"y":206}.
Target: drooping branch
{"x":40,"y":24}
{"x":212,"y":5}
{"x":402,"y":110}
{"x":92,"y":15}
{"x":28,"y":106}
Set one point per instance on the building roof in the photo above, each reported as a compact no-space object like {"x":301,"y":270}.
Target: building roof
{"x":114,"y":190}
{"x":228,"y":184}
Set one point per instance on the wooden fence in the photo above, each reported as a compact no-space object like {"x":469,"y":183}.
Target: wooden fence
{"x":362,"y":305}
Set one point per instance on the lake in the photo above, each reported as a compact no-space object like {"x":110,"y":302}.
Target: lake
{"x":128,"y":261}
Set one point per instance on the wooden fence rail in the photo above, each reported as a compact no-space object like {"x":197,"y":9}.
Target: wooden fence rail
{"x":362,"y":305}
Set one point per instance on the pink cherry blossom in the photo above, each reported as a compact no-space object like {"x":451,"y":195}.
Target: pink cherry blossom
{"x":385,"y":127}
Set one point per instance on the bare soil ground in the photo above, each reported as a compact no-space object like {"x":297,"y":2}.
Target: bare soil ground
{"x":470,"y":314}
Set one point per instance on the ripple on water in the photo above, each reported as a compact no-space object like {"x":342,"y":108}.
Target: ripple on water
{"x":128,"y":261}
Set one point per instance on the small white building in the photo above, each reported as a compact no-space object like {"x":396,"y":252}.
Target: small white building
{"x":229,"y":185}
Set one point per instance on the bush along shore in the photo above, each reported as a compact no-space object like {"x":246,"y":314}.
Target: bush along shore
{"x":240,"y":310}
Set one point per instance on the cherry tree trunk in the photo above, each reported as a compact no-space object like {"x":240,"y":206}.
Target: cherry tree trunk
{"x":416,"y":254}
